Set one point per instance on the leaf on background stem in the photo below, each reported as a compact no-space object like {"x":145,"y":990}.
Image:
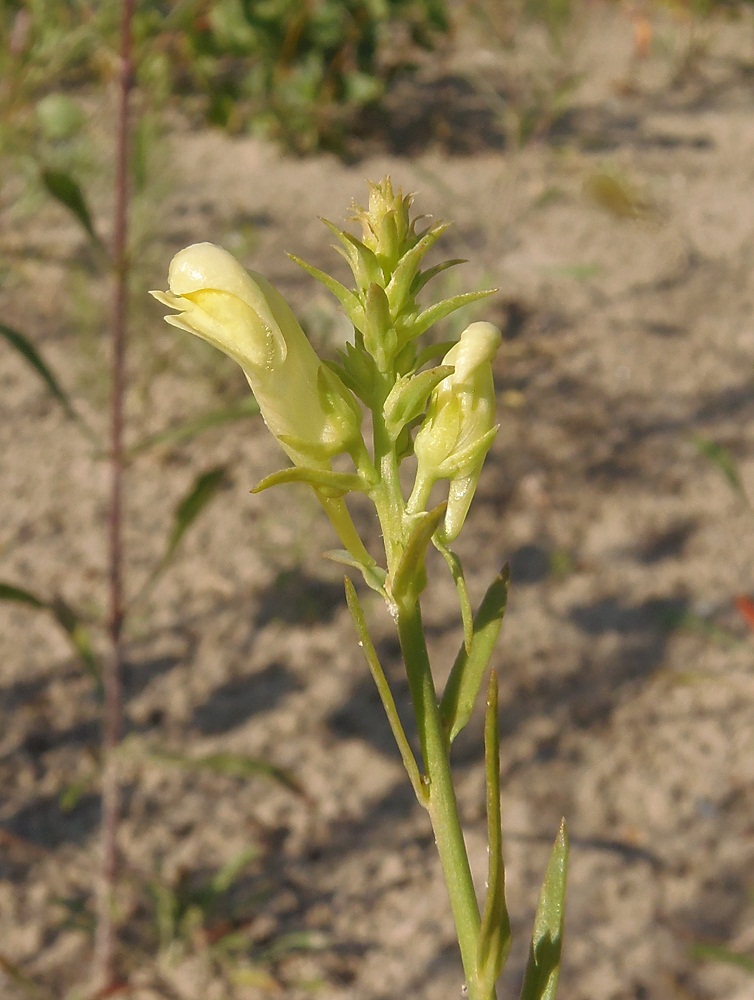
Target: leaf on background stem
{"x":9,"y":592}
{"x":204,"y":489}
{"x":543,"y":967}
{"x":495,"y":932}
{"x":79,"y":637}
{"x":468,"y":670}
{"x":718,"y":953}
{"x":65,"y":190}
{"x":77,"y":633}
{"x":197,"y":425}
{"x":28,"y":351}
{"x":385,"y":693}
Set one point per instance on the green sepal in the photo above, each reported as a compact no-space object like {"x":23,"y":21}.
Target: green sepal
{"x":336,"y":399}
{"x":495,"y":931}
{"x":465,"y":678}
{"x":423,"y":277}
{"x":458,"y":463}
{"x":407,"y":400}
{"x":380,"y":338}
{"x":351,"y":304}
{"x":324,"y":481}
{"x":374,"y":575}
{"x":456,"y":571}
{"x":410,"y":577}
{"x":358,"y":370}
{"x":439,"y":311}
{"x":400,"y":283}
{"x":543,"y":967}
{"x":362,"y":261}
{"x":385,"y":693}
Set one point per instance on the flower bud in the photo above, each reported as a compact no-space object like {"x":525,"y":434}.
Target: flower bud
{"x":240,"y":313}
{"x":459,"y":426}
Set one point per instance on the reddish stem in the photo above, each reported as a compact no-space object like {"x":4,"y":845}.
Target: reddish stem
{"x":112,"y":720}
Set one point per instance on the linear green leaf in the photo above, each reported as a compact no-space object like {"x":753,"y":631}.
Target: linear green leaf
{"x":433,"y":314}
{"x":79,"y":637}
{"x":495,"y":932}
{"x":65,"y":190}
{"x":543,"y":967}
{"x":466,"y":674}
{"x":204,"y":489}
{"x":333,"y":484}
{"x":68,"y":620}
{"x":197,"y":425}
{"x":718,"y":953}
{"x":29,"y":352}
{"x":9,"y":592}
{"x":385,"y":693}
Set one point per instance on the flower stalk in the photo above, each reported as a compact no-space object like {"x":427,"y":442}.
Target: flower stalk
{"x":443,"y":416}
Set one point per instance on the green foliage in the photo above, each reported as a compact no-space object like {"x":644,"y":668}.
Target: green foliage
{"x":299,"y":72}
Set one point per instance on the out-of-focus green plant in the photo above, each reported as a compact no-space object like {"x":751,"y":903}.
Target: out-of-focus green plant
{"x":299,"y":72}
{"x":440,"y":414}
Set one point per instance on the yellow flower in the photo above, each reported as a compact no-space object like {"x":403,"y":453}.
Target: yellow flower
{"x":459,"y":426}
{"x":305,"y":406}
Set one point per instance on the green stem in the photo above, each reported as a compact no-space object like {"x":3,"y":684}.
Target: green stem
{"x":442,"y":805}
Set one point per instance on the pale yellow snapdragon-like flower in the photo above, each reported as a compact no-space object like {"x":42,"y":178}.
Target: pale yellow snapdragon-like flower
{"x":305,"y":405}
{"x":306,"y":408}
{"x":459,"y":426}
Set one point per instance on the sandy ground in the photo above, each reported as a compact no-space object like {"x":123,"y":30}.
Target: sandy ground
{"x":627,"y":691}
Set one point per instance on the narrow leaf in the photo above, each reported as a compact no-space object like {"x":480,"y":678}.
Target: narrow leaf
{"x":543,"y":967}
{"x":79,"y":637}
{"x":410,"y":577}
{"x":223,"y":879}
{"x":204,"y":489}
{"x":385,"y":693}
{"x":440,"y":310}
{"x":423,"y":277}
{"x":718,"y":953}
{"x":408,"y":265}
{"x":374,"y":576}
{"x":466,"y":674}
{"x":408,"y":398}
{"x":332,"y":484}
{"x":77,"y":633}
{"x":197,"y":425}
{"x":495,"y":932}
{"x":9,"y":592}
{"x":347,"y":299}
{"x":64,"y":189}
{"x":456,"y":571}
{"x":29,"y":352}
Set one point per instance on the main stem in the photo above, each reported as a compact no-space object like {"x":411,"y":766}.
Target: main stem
{"x":112,"y":721}
{"x":442,"y":804}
